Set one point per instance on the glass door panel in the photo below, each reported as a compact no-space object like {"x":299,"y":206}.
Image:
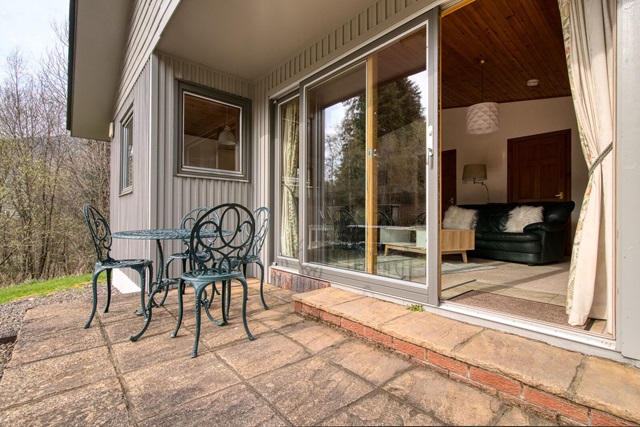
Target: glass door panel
{"x":366,"y":164}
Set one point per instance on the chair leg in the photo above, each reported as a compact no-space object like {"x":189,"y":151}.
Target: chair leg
{"x":181,"y":288}
{"x":198,"y":295}
{"x":106,"y":307}
{"x":227,"y":301}
{"x":94,"y":287}
{"x":264,"y":304}
{"x":184,"y":270}
{"x":148,"y":309}
{"x":244,"y":306}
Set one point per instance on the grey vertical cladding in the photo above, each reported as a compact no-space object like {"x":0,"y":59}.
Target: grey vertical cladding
{"x":177,"y":195}
{"x":130,"y":211}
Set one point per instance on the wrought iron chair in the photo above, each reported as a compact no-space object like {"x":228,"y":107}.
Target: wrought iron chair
{"x":187,"y":222}
{"x":261,"y":217}
{"x":101,"y":235}
{"x":217,"y":259}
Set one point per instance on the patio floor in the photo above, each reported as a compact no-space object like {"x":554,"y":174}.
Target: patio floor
{"x":296,"y":372}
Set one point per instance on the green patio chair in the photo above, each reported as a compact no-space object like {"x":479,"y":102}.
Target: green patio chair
{"x":217,"y":259}
{"x":101,"y":236}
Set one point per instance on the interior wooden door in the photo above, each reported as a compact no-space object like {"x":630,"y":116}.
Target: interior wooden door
{"x":448,"y":173}
{"x":539,"y":167}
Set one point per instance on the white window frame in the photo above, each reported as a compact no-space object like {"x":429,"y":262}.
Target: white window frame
{"x":126,"y":153}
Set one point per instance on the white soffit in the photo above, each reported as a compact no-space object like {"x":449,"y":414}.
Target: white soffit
{"x":247,"y":38}
{"x":100,"y":38}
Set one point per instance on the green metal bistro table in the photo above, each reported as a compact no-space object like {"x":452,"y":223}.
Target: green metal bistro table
{"x":161,"y":283}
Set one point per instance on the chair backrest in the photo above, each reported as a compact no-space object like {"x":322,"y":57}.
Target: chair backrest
{"x":191,"y":217}
{"x":261,"y":217}
{"x":100,"y":232}
{"x":233,"y":228}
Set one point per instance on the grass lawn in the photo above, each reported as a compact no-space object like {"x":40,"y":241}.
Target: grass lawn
{"x":43,"y":287}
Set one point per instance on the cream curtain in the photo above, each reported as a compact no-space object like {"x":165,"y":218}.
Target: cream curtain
{"x":289,"y":191}
{"x":588,"y":27}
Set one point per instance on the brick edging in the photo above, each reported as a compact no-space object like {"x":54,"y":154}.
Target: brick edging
{"x":508,"y":389}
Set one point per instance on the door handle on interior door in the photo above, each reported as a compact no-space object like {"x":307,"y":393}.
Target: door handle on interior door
{"x":560,"y":195}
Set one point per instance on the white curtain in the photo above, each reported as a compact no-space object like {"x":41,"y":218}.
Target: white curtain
{"x":588,"y":27}
{"x":289,"y":190}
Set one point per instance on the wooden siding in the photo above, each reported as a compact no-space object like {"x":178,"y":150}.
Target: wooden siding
{"x":131,"y":211}
{"x":148,"y":19}
{"x":177,"y":195}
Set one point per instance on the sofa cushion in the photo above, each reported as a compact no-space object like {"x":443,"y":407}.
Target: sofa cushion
{"x":521,"y":216}
{"x":459,"y":219}
{"x":532,"y":246}
{"x":508,"y":237}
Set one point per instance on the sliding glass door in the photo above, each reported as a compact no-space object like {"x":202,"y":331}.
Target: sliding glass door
{"x":366,"y":161}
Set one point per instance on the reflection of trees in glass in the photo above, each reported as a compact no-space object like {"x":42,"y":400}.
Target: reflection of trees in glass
{"x":401,"y":133}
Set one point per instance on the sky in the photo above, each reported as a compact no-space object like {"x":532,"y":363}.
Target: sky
{"x":27,"y":25}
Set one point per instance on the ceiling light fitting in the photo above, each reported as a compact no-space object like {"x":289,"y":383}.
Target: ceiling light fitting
{"x":532,"y":82}
{"x":226,"y":137}
{"x":483,"y":117}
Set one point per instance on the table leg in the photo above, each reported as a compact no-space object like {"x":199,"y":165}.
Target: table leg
{"x":153,"y":284}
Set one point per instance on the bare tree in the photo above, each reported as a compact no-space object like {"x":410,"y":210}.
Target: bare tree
{"x":45,"y":175}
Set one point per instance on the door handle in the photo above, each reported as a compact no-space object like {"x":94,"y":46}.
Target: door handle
{"x":560,"y":195}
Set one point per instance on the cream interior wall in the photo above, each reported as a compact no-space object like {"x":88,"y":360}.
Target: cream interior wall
{"x":517,"y":119}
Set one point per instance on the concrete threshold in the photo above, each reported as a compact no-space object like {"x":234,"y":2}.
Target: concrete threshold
{"x":568,"y":386}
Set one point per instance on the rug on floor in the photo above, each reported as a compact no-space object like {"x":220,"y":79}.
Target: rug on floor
{"x":517,"y":306}
{"x":461,"y":267}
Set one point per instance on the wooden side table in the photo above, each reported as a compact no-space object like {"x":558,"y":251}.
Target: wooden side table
{"x":457,"y":242}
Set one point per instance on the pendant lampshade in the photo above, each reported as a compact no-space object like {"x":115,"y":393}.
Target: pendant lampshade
{"x":483,"y":117}
{"x":226,"y":137}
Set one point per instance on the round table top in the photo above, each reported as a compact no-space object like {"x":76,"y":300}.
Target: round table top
{"x":161,"y":234}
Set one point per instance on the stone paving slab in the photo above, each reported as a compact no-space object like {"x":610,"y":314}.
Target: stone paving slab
{"x":31,"y":348}
{"x":532,"y":362}
{"x":98,"y":404}
{"x":444,"y":398}
{"x":131,"y":356}
{"x":611,"y":387}
{"x":374,"y":365}
{"x":311,"y":390}
{"x":428,"y":330}
{"x":370,"y":312}
{"x":327,"y":297}
{"x":517,"y":417}
{"x":233,"y":406}
{"x":46,"y":377}
{"x":313,"y":336}
{"x":175,"y":382}
{"x":381,"y":409}
{"x":271,"y":351}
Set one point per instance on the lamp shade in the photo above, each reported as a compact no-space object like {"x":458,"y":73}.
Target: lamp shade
{"x":483,"y":118}
{"x":226,"y":137}
{"x":474,"y":173}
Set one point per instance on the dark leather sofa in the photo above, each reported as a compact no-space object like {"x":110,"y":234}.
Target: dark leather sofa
{"x":539,"y":243}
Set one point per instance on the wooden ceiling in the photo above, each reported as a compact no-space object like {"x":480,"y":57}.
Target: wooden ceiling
{"x":519,"y":40}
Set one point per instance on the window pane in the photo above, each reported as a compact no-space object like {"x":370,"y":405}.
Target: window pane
{"x":336,"y":174}
{"x":289,"y":170}
{"x":211,"y":133}
{"x":366,"y":167}
{"x":126,"y":178}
